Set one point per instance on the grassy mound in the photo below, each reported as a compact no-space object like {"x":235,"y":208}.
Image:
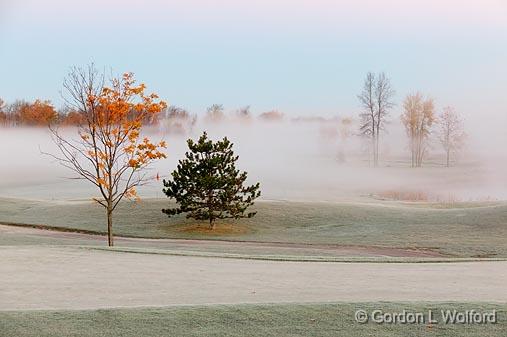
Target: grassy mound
{"x":469,"y":230}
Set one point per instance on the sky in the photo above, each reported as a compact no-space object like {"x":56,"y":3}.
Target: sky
{"x":301,"y":57}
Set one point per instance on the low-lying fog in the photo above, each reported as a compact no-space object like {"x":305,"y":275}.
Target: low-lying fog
{"x":293,"y":160}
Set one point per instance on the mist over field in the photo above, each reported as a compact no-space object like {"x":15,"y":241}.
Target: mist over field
{"x":293,"y":159}
{"x":362,"y":185}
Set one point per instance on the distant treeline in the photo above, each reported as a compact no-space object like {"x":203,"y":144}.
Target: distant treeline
{"x":43,"y":113}
{"x":38,"y":113}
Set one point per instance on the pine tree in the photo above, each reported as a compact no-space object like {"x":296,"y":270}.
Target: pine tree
{"x":206,"y":184}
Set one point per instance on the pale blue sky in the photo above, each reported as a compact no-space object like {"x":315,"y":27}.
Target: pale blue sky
{"x":300,"y":57}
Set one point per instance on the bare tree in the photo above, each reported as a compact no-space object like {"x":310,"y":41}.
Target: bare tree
{"x":451,"y":132}
{"x":376,"y":100}
{"x":108,"y":151}
{"x":178,"y":120}
{"x":13,"y":112}
{"x":344,"y":132}
{"x":383,"y":96}
{"x":3,"y":115}
{"x":368,"y":124}
{"x":244,"y":113}
{"x":215,"y":113}
{"x":418,"y":117}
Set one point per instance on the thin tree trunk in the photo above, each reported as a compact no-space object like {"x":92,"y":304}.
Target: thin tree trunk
{"x":413,"y":153}
{"x":419,"y":150}
{"x":448,"y":157}
{"x":374,"y":149}
{"x":373,"y":142}
{"x":109,"y":226}
{"x":211,"y":224}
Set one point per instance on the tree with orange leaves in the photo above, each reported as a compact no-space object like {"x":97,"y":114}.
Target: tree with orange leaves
{"x":38,"y":113}
{"x":67,"y":117}
{"x":418,"y":117}
{"x":109,"y":151}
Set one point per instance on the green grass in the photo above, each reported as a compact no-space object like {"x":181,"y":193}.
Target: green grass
{"x":477,"y":230}
{"x":277,"y":320}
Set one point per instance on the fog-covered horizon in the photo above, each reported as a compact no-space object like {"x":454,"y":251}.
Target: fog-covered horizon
{"x":293,"y":160}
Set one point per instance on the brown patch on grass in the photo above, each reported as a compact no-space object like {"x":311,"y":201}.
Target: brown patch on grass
{"x":404,"y":195}
{"x":418,"y":196}
{"x":220,"y":229}
{"x":428,"y":196}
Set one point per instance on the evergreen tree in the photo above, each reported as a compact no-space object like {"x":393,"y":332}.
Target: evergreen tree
{"x":206,"y":184}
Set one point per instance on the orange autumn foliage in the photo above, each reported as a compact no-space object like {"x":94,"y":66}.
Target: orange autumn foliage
{"x":72,"y":118}
{"x":37,"y":113}
{"x":119,"y":114}
{"x":111,"y":152}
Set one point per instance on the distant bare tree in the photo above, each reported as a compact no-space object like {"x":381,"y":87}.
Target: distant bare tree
{"x":178,"y":120}
{"x":244,"y":112}
{"x":376,"y":100}
{"x":418,"y":117}
{"x":173,"y":111}
{"x":344,"y":128}
{"x":345,"y":132}
{"x":215,"y":113}
{"x":451,"y":132}
{"x":13,"y":112}
{"x":3,"y":115}
{"x":368,"y":117}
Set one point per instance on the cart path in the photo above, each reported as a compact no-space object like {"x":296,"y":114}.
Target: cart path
{"x":41,"y":277}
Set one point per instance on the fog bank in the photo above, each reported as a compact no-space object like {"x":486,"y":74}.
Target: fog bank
{"x":306,"y":160}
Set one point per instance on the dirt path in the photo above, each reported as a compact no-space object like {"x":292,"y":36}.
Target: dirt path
{"x":41,"y":277}
{"x":30,"y":235}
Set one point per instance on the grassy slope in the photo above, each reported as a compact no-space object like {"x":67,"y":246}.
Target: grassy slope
{"x":241,"y":320}
{"x":461,"y":231}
